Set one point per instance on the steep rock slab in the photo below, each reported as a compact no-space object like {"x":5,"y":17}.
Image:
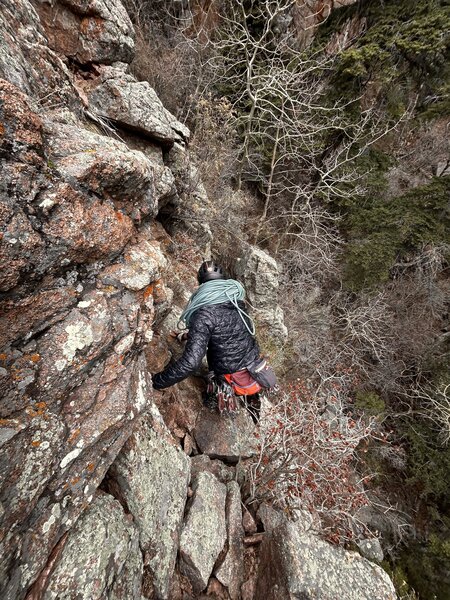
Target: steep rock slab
{"x":117,"y":95}
{"x":204,"y":531}
{"x":259,"y":273}
{"x":153,"y":476}
{"x":88,"y":30}
{"x":297,"y":564}
{"x":231,"y":571}
{"x":98,"y":418}
{"x":223,"y":437}
{"x":100,"y":558}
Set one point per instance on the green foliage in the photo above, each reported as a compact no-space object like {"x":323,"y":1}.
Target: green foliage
{"x":370,"y":403}
{"x":427,"y":566}
{"x":400,"y":580}
{"x":386,"y":230}
{"x":428,"y":463}
{"x":404,"y":40}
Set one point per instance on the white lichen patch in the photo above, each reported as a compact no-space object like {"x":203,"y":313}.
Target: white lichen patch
{"x":80,"y":335}
{"x":60,"y":364}
{"x":141,"y":393}
{"x":70,"y":458}
{"x":55,"y":514}
{"x":84,"y":304}
{"x":124,"y":344}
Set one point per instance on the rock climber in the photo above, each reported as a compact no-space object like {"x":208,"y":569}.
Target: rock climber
{"x":219,"y":328}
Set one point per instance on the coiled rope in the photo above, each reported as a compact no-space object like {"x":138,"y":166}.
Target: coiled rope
{"x":217,"y":291}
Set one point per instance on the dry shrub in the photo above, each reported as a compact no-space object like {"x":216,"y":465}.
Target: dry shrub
{"x":306,"y":458}
{"x":164,"y":57}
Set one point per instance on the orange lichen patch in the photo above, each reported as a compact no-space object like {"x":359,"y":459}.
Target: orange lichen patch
{"x":8,"y":423}
{"x":119,"y":215}
{"x":15,"y":373}
{"x":3,"y":356}
{"x":35,"y":443}
{"x":149,"y":291}
{"x":37,"y":410}
{"x":90,"y":467}
{"x":74,"y":436}
{"x":35,"y":358}
{"x":74,"y":480}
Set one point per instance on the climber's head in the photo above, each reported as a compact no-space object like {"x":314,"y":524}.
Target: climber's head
{"x":208,"y":271}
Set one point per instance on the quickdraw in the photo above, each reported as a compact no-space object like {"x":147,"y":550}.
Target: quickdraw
{"x":221,"y":395}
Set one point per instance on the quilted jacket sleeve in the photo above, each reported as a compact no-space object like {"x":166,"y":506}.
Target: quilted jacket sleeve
{"x":195,"y":349}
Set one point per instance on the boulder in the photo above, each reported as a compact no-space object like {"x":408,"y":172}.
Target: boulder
{"x":295,"y":563}
{"x":134,"y":104}
{"x":231,"y":571}
{"x":225,"y":438}
{"x":101,"y":557}
{"x":259,"y":273}
{"x":88,"y":31}
{"x":106,"y":166}
{"x":153,"y":476}
{"x":371,"y":549}
{"x":204,"y":530}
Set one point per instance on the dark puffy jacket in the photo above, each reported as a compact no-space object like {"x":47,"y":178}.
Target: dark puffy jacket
{"x":219,"y":332}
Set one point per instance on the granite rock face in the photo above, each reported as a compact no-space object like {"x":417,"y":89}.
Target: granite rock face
{"x":77,"y":276}
{"x":204,"y":531}
{"x":153,"y":475}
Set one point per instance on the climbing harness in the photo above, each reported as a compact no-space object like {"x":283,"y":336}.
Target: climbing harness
{"x":217,"y":292}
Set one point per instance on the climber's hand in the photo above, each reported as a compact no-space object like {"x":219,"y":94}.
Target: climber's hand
{"x":180,"y":336}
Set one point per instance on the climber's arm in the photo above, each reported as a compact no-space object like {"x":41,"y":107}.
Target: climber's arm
{"x":195,"y":350}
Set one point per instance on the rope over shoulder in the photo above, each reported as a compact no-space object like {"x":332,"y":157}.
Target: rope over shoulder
{"x":217,"y":292}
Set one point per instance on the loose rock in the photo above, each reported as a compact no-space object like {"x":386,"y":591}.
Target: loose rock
{"x":225,"y":438}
